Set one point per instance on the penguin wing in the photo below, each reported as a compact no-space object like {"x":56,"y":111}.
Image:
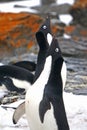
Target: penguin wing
{"x":43,"y":107}
{"x":20,"y":110}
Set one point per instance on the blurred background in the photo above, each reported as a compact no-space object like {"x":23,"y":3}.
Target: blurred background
{"x":20,"y":20}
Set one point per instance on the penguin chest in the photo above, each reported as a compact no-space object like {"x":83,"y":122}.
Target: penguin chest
{"x":33,"y":99}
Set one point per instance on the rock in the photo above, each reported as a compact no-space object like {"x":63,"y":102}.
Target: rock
{"x":12,"y":97}
{"x":18,"y":30}
{"x":79,"y":12}
{"x":49,"y":9}
{"x":76,"y":31}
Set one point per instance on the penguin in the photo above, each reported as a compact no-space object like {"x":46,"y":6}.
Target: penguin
{"x":43,"y":37}
{"x":17,"y":76}
{"x":29,"y":65}
{"x":44,"y":100}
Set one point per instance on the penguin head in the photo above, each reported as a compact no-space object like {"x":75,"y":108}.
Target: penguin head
{"x":54,"y":50}
{"x":44,"y":36}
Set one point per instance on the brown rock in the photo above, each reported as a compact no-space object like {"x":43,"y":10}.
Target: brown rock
{"x":18,"y":30}
{"x":76,"y":30}
{"x":79,"y":12}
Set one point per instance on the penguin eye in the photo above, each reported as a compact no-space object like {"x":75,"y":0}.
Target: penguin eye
{"x":56,"y":50}
{"x":44,"y":27}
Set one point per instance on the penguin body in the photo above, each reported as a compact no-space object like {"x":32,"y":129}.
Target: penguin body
{"x":17,"y":76}
{"x":44,"y":103}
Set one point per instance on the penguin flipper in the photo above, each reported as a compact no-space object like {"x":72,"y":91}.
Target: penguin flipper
{"x":43,"y":107}
{"x":20,"y":110}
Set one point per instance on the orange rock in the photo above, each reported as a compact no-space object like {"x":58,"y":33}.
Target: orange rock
{"x":18,"y":29}
{"x":80,"y":4}
{"x":69,"y":29}
{"x":83,"y":33}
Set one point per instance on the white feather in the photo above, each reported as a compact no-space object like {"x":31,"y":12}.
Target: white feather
{"x":49,"y":38}
{"x":21,"y":83}
{"x":64,"y":73}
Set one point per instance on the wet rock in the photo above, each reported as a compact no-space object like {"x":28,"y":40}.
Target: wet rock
{"x":77,"y":75}
{"x":48,"y":9}
{"x":73,"y":47}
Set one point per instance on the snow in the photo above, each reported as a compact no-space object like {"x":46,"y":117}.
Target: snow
{"x":65,"y":1}
{"x":76,"y":109}
{"x":65,"y":18}
{"x":9,"y":7}
{"x":66,"y":36}
{"x":6,"y":118}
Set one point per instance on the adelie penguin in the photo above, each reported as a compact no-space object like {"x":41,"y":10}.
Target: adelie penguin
{"x":19,"y":71}
{"x":44,"y":38}
{"x":44,"y":100}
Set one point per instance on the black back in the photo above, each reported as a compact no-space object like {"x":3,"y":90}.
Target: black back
{"x":29,"y":65}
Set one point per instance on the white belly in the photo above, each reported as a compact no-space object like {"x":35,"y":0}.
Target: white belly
{"x":32,"y":112}
{"x":33,"y":98}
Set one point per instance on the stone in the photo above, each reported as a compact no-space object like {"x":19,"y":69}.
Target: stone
{"x":79,"y":12}
{"x":17,"y":30}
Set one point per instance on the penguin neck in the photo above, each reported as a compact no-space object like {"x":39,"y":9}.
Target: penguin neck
{"x":40,"y":63}
{"x":44,"y":76}
{"x":55,"y":81}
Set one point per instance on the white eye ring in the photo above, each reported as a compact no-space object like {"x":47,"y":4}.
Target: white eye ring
{"x":56,"y":50}
{"x":44,"y":27}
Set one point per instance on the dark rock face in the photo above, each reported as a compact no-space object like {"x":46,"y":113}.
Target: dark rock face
{"x":79,"y":12}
